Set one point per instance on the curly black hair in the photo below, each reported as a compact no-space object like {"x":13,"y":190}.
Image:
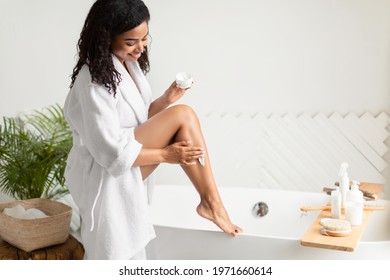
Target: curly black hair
{"x":106,"y":20}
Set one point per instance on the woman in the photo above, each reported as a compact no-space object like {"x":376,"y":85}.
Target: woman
{"x":120,"y":136}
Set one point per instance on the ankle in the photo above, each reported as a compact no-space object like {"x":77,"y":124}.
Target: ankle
{"x":211,"y":202}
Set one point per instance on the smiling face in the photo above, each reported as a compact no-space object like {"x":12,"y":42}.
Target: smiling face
{"x":129,"y":45}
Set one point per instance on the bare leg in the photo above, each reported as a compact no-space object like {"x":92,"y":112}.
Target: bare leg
{"x":176,"y":124}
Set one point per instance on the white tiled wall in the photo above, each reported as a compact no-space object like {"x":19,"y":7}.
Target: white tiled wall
{"x":294,"y":152}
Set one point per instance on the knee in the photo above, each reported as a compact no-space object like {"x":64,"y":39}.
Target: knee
{"x":185,"y":113}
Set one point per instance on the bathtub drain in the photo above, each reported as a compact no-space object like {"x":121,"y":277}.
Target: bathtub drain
{"x":260,"y":209}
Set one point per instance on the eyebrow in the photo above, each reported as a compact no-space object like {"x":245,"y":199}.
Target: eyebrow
{"x":135,"y":39}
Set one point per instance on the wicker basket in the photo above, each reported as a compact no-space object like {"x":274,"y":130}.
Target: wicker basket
{"x":32,"y":234}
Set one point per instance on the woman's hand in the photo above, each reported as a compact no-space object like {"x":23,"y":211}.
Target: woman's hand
{"x":182,"y":153}
{"x":173,"y":93}
{"x":170,"y":96}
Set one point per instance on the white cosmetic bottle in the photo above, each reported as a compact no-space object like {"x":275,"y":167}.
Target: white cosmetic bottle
{"x":344,"y":183}
{"x":354,"y":205}
{"x":335,"y":203}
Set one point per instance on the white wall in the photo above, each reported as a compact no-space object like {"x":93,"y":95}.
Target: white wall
{"x":37,"y":52}
{"x":276,"y":56}
{"x":280,"y":56}
{"x":249,"y":55}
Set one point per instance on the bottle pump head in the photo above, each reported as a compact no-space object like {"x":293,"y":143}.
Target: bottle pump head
{"x":343,"y":169}
{"x":355,"y":185}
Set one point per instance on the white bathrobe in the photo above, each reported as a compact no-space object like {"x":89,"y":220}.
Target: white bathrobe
{"x":110,"y":193}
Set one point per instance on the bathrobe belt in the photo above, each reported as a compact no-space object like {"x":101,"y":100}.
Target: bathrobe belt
{"x":77,"y":142}
{"x":95,"y":201}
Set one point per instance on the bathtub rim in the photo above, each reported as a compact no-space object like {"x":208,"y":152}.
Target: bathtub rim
{"x":216,"y":231}
{"x":210,"y":227}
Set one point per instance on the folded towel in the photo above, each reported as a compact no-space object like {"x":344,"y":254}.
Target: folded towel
{"x":19,"y":212}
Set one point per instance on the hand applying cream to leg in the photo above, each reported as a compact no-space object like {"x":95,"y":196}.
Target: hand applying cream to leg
{"x":181,"y":124}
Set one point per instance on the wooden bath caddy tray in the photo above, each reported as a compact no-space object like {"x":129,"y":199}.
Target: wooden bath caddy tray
{"x":314,"y":238}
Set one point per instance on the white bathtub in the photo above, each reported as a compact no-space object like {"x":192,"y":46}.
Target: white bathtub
{"x":182,"y":234}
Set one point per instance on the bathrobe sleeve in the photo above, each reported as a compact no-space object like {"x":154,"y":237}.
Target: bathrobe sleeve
{"x":112,"y":146}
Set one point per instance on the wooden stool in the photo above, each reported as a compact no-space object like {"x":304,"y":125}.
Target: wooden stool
{"x":72,"y":249}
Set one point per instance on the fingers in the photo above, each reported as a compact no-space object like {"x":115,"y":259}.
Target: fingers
{"x":187,"y":163}
{"x":175,"y":84}
{"x":184,"y":143}
{"x":184,"y":153}
{"x":195,"y":153}
{"x":192,"y":155}
{"x":191,"y":158}
{"x":190,"y":151}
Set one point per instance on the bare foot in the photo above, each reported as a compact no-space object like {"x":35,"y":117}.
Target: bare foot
{"x":218,"y":215}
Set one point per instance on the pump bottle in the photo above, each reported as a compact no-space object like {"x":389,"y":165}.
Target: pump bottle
{"x":354,"y":205}
{"x":344,"y":183}
{"x":335,"y":204}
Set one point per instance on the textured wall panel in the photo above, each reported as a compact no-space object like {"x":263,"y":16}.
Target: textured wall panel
{"x":290,"y":152}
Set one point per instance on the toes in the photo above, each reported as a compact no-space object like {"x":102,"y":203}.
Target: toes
{"x":237,"y":230}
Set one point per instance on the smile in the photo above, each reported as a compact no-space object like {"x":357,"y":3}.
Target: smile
{"x":138,"y":55}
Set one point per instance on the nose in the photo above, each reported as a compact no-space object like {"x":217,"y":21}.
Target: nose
{"x":140,"y":47}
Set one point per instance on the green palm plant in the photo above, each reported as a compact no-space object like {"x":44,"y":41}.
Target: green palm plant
{"x":33,"y":154}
